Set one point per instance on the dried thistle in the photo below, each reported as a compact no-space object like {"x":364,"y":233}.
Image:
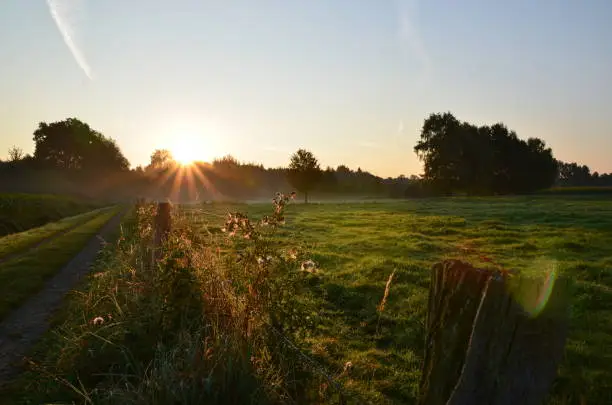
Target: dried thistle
{"x":98,"y":320}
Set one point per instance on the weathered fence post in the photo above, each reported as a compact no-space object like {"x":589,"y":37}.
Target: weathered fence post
{"x":163,"y":225}
{"x":492,"y":337}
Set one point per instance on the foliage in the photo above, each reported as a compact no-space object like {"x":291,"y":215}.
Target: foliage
{"x":15,"y":154}
{"x":304,"y":171}
{"x":573,"y":175}
{"x":72,"y":144}
{"x":161,"y":159}
{"x":205,"y":324}
{"x":71,"y":158}
{"x":358,"y":246}
{"x":199,"y":328}
{"x":461,"y":157}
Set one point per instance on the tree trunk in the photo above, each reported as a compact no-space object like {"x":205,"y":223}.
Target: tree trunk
{"x":493,"y":337}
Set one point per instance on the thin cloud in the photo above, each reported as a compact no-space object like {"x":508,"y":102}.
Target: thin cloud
{"x":60,"y":11}
{"x":409,"y":34}
{"x":400,"y":127}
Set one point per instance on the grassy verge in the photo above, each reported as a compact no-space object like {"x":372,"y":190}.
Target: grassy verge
{"x":25,"y":275}
{"x":17,"y":242}
{"x":19,"y":212}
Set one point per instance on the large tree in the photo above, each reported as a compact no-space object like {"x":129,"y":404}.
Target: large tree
{"x":304,"y":171}
{"x":72,"y":144}
{"x":440,"y":149}
{"x":461,"y":157}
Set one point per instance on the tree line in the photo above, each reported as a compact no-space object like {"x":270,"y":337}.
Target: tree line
{"x":458,"y":158}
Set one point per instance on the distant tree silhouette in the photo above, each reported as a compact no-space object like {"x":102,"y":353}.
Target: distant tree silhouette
{"x":461,"y":157}
{"x":328,"y":181}
{"x":72,"y":145}
{"x":575,"y":175}
{"x":161,"y":159}
{"x":304,"y":171}
{"x":15,"y":154}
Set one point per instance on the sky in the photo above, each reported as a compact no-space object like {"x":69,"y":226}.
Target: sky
{"x":350,"y":80}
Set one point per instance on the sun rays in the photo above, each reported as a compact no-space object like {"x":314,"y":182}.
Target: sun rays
{"x":186,"y":182}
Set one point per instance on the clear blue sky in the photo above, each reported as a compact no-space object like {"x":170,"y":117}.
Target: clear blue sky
{"x":350,"y":80}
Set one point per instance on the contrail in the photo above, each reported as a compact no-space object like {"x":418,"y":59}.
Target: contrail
{"x":59,"y":10}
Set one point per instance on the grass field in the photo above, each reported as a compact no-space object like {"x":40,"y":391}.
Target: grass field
{"x":24,"y":275}
{"x":356,"y":246}
{"x":19,"y":212}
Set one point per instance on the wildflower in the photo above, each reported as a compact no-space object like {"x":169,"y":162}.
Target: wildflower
{"x":98,"y":320}
{"x":309,"y":266}
{"x":347,"y":368}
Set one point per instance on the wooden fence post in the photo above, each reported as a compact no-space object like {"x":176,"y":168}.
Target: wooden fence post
{"x":163,"y":225}
{"x":492,"y":337}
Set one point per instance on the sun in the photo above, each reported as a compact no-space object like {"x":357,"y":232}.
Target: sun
{"x":187,"y":149}
{"x":184,"y":154}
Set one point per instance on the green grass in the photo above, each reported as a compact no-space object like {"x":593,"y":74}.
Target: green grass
{"x":357,"y":246}
{"x":25,"y":275}
{"x":19,"y":212}
{"x":18,"y":242}
{"x":178,"y":334}
{"x":578,"y":190}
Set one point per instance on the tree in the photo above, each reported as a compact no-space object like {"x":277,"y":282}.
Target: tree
{"x":15,"y":154}
{"x":304,"y":171}
{"x":440,"y":150}
{"x":572,"y":174}
{"x":72,"y":145}
{"x":328,"y":180}
{"x":161,"y":159}
{"x":461,"y":157}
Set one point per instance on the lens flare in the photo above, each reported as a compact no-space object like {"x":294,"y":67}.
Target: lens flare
{"x":532,"y":290}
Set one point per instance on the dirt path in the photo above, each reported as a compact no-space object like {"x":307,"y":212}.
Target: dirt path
{"x":24,"y":326}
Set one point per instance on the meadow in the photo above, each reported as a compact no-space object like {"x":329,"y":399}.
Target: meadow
{"x":332,"y":310}
{"x":357,"y":247}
